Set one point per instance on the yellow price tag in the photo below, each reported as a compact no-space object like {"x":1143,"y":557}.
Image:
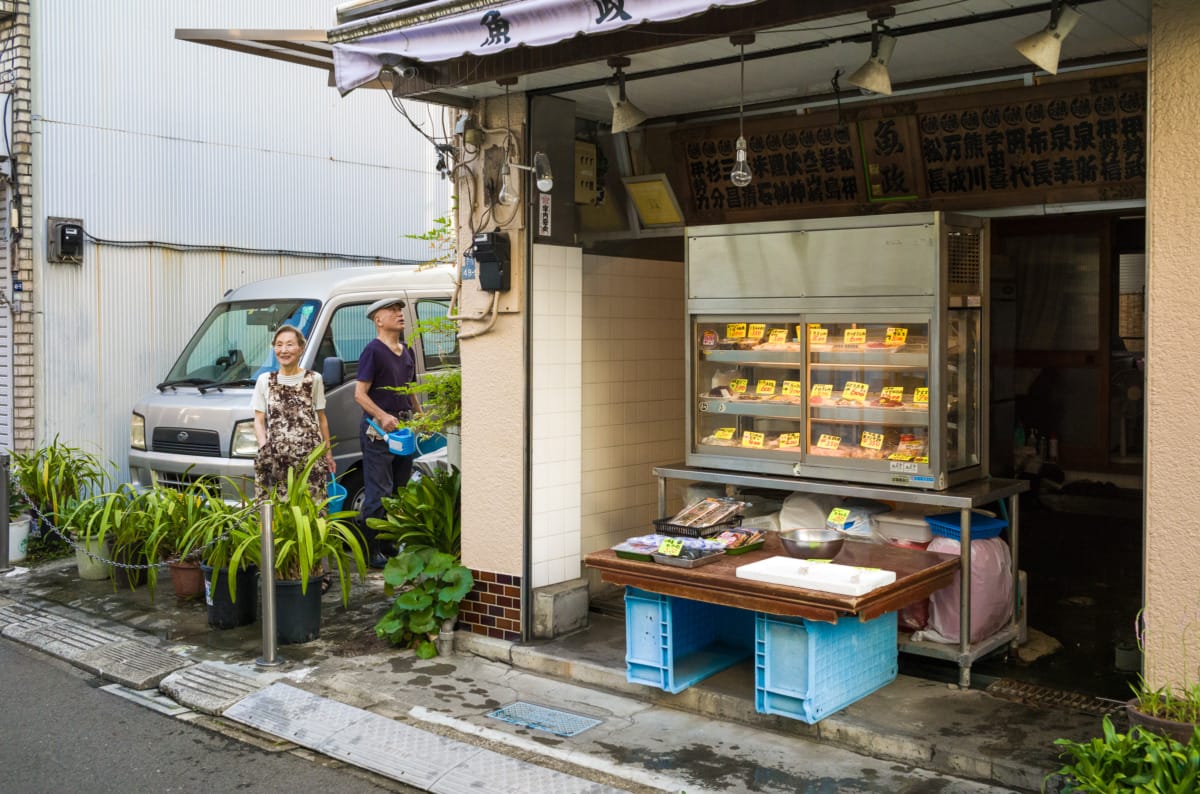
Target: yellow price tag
{"x":777,"y":335}
{"x":896,"y":336}
{"x":818,"y":336}
{"x":735,"y":330}
{"x":765,"y":387}
{"x":899,"y":456}
{"x":793,"y":388}
{"x":871,"y":440}
{"x":922,"y":459}
{"x":789,"y":440}
{"x":892,"y":393}
{"x":756,"y":330}
{"x":723,"y":433}
{"x":828,"y":442}
{"x":822,"y":390}
{"x":838,"y":516}
{"x":753,"y":440}
{"x":854,"y":336}
{"x":921,"y":395}
{"x":670,"y":547}
{"x":853,"y":390}
{"x":738,"y":385}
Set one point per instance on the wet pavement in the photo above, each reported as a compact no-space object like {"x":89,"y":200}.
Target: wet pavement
{"x":911,"y":735}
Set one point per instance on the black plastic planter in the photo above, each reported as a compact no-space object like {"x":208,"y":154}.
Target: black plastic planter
{"x":226,"y":613}
{"x":297,"y":615}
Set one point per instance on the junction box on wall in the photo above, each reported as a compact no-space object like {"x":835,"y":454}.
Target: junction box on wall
{"x":64,"y":241}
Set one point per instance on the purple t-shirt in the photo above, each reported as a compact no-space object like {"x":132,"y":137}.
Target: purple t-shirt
{"x":380,"y":367}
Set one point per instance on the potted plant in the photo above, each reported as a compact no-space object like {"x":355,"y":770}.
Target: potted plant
{"x":440,"y":391}
{"x":18,"y":521}
{"x":426,"y":517}
{"x":90,"y":534}
{"x":229,"y":584}
{"x":1170,"y":710}
{"x":53,"y":476}
{"x":304,"y":538}
{"x":170,"y":513}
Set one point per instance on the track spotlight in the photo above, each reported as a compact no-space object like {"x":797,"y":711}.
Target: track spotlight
{"x":873,"y":75}
{"x":626,"y":115}
{"x":1044,"y":47}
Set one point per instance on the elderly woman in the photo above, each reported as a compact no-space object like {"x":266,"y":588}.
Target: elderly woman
{"x":289,"y":419}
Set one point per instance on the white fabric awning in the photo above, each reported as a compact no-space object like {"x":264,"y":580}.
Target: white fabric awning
{"x":531,"y":23}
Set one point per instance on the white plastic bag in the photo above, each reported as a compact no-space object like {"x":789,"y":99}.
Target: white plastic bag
{"x":806,"y":511}
{"x":991,"y":592}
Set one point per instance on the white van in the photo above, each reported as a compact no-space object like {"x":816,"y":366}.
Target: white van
{"x":199,"y":421}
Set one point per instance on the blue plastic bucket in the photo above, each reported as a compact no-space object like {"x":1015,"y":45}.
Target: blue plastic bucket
{"x":400,"y":441}
{"x":337,"y":496}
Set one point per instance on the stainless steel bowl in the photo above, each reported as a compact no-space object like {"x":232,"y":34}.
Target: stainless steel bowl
{"x":812,"y":544}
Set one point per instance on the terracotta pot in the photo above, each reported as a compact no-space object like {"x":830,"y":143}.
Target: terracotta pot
{"x":187,"y":579}
{"x":1179,"y":731}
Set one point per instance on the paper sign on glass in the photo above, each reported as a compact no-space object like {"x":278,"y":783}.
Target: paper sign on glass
{"x":921,"y":395}
{"x":789,"y":440}
{"x":818,"y":336}
{"x":892,"y":393}
{"x":765,"y":386}
{"x":777,"y":335}
{"x":793,"y":388}
{"x":723,"y":433}
{"x":871,"y":440}
{"x":822,"y":390}
{"x":828,"y":442}
{"x":895,"y":336}
{"x":853,"y":390}
{"x":756,"y":330}
{"x":735,"y":330}
{"x":753,"y":439}
{"x":854,"y":336}
{"x":738,"y":385}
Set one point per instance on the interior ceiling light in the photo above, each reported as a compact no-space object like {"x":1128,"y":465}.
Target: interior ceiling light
{"x":626,"y":115}
{"x":740,"y":175}
{"x":1044,"y":47}
{"x":873,"y":75}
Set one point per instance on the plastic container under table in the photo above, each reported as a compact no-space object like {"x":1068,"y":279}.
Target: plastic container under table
{"x":671,"y":643}
{"x":807,"y":669}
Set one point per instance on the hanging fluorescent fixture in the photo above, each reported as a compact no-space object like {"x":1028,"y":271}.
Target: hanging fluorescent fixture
{"x":873,"y":75}
{"x":1044,"y":47}
{"x":626,"y":115}
{"x":740,"y":175}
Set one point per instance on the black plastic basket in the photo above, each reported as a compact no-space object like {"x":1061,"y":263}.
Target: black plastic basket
{"x":664,"y":527}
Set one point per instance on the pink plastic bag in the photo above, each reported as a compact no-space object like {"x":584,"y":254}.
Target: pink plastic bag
{"x":991,"y":591}
{"x":914,"y":616}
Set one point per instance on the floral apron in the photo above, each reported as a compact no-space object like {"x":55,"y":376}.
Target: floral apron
{"x":292,"y":434}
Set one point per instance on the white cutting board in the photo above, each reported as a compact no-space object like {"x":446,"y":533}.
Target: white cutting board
{"x":827,"y":577}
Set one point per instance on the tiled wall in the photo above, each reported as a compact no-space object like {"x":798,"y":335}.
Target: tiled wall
{"x":633,"y":370}
{"x":555,"y":352}
{"x":493,"y":607}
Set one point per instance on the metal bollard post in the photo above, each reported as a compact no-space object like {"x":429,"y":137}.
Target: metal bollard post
{"x":4,"y":496}
{"x":266,"y":578}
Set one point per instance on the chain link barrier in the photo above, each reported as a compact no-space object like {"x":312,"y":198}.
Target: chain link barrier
{"x":45,"y":523}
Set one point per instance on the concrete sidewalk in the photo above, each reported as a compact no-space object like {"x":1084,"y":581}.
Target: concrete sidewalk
{"x":427,"y":723}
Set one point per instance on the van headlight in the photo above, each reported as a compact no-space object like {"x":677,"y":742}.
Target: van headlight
{"x":244,"y":443}
{"x":137,"y":432}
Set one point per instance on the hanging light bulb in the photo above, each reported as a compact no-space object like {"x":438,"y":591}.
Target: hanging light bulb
{"x":508,"y":191}
{"x":740,"y":175}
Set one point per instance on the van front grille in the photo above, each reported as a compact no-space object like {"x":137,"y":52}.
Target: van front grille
{"x":181,"y":441}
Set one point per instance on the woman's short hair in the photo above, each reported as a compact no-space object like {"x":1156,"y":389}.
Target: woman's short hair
{"x":289,"y":328}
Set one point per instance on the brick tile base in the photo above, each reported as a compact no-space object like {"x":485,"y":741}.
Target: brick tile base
{"x":493,"y":607}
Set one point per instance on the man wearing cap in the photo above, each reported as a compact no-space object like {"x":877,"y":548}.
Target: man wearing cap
{"x":385,"y":361}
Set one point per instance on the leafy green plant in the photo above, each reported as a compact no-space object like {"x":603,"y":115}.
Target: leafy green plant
{"x":18,"y":505}
{"x":221,"y":528}
{"x":1179,"y":703}
{"x":303,"y":536}
{"x":432,"y":585}
{"x":1139,"y":761}
{"x":442,"y":239}
{"x":426,"y":514}
{"x":53,"y":475}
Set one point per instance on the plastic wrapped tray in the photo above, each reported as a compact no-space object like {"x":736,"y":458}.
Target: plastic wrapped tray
{"x":664,"y":527}
{"x":755,"y":546}
{"x":680,"y":562}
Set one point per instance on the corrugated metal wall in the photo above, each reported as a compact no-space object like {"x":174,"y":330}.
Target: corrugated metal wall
{"x":146,"y":138}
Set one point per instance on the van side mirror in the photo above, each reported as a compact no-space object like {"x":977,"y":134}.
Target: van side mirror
{"x":333,"y":372}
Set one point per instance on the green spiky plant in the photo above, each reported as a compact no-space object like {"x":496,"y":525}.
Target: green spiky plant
{"x":426,"y":514}
{"x":304,"y":535}
{"x":1137,"y":761}
{"x":54,"y":475}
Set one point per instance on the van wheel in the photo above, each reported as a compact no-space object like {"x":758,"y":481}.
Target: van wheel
{"x":355,"y":493}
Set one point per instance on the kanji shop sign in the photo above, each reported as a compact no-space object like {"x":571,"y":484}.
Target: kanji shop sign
{"x":1070,"y":141}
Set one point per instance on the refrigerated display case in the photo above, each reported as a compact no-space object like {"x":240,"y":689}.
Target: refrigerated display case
{"x":850,"y":349}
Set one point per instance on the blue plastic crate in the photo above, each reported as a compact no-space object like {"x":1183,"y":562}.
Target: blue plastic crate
{"x":806,"y":669}
{"x":671,"y":643}
{"x":949,"y":525}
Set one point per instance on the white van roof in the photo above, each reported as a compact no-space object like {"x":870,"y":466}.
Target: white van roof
{"x":324,"y":284}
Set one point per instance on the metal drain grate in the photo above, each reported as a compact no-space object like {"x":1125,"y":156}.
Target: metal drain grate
{"x":529,"y":715}
{"x":1035,"y":695}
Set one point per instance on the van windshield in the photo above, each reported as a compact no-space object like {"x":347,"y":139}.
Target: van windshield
{"x":234,"y":341}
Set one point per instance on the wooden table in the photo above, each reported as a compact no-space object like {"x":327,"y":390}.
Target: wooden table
{"x":918,"y":574}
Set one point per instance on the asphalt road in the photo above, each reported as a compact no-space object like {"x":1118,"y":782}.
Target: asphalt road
{"x":60,"y":732}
